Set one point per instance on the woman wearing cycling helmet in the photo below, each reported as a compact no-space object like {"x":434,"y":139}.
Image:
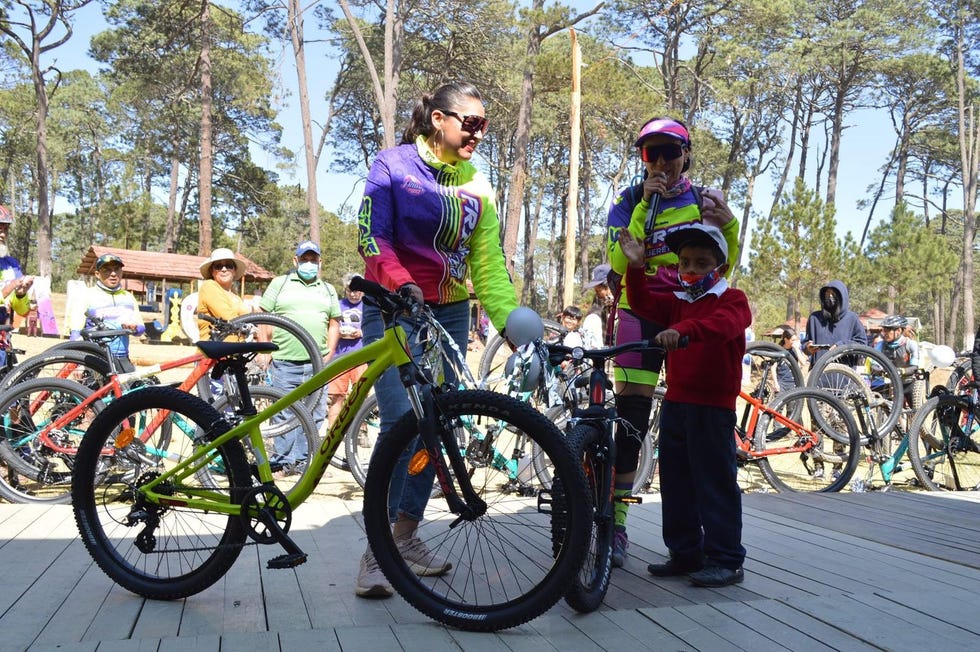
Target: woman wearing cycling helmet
{"x":665,"y":200}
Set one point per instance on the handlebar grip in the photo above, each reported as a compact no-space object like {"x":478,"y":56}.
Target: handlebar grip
{"x":360,"y":284}
{"x":683,"y":342}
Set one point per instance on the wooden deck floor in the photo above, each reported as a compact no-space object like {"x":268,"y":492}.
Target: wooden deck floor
{"x":877,"y":571}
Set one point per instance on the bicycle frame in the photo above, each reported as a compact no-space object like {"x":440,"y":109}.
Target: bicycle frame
{"x":391,"y":350}
{"x":744,"y":447}
{"x":202,"y":365}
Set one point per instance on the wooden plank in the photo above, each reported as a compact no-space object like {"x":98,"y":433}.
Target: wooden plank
{"x":424,"y":636}
{"x":873,"y":625}
{"x":79,"y":603}
{"x":754,"y":616}
{"x":249,"y":641}
{"x":191,"y":644}
{"x":130,"y":645}
{"x":654,"y":636}
{"x":370,"y":638}
{"x":321,"y":640}
{"x":800,"y":621}
{"x":675,"y":621}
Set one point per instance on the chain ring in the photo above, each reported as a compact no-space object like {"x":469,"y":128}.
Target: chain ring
{"x":265,"y":497}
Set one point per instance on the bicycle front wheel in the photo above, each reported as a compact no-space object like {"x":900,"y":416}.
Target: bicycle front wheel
{"x":944,"y":444}
{"x":40,"y":439}
{"x":81,"y":366}
{"x":807,"y":440}
{"x":502,"y":569}
{"x":163,"y":552}
{"x":590,"y":445}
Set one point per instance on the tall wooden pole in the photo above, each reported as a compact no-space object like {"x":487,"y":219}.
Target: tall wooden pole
{"x":571,"y":215}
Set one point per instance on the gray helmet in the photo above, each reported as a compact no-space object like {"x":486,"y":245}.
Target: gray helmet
{"x":894,"y":321}
{"x":524,"y":368}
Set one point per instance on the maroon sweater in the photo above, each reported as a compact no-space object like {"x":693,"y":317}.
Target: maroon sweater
{"x":709,"y":370}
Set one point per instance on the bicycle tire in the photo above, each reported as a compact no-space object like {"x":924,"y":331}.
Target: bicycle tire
{"x":961,"y":375}
{"x":504,"y":571}
{"x":944,"y":444}
{"x":861,"y":357}
{"x":839,"y":446}
{"x":360,"y":438}
{"x":646,"y":467}
{"x":39,"y":472}
{"x":89,"y":369}
{"x":294,"y":417}
{"x":590,"y":446}
{"x":495,"y":354}
{"x":292,"y":329}
{"x":162,"y":553}
{"x":772,"y":353}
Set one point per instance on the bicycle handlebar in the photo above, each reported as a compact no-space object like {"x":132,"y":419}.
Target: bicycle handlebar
{"x":561,"y":352}
{"x":389,"y":302}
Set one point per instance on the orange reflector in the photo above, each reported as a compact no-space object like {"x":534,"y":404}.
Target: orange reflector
{"x":418,"y":462}
{"x":125,"y":437}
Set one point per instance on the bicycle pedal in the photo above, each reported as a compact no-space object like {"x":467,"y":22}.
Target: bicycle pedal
{"x":289,"y":560}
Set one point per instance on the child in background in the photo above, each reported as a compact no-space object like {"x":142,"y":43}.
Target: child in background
{"x":701,"y":499}
{"x":571,"y":319}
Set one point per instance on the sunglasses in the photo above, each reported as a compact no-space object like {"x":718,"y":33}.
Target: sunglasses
{"x":668,"y":152}
{"x":471,"y":123}
{"x":223,"y":264}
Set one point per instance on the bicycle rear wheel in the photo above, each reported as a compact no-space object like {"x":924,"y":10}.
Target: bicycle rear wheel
{"x":504,"y":571}
{"x":81,"y":366}
{"x":294,"y":418}
{"x":590,"y":445}
{"x":818,"y":450}
{"x":283,"y":332}
{"x":878,"y":373}
{"x":944,"y":444}
{"x":38,"y":442}
{"x":360,"y":438}
{"x":163,"y":552}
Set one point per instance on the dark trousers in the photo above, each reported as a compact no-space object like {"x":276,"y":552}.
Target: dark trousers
{"x":701,"y":500}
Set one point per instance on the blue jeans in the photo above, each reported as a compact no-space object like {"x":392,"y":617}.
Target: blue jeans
{"x":409,"y":495}
{"x":291,"y":447}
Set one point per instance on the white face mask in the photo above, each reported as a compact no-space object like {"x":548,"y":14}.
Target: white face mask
{"x":308,"y":270}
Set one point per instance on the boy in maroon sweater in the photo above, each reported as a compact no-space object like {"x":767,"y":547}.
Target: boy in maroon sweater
{"x":701,"y":500}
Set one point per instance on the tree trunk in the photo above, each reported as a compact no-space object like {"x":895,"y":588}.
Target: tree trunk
{"x":204,"y":181}
{"x":44,"y":229}
{"x":170,"y":234}
{"x":299,"y":52}
{"x":522,"y":138}
{"x":573,"y":164}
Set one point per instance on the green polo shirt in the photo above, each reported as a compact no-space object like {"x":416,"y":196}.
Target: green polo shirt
{"x":311,"y":305}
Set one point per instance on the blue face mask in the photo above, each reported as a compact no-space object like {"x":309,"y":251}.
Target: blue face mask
{"x":308,"y":271}
{"x":696,"y":285}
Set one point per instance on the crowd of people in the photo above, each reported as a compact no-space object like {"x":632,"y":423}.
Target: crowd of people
{"x":671,"y":246}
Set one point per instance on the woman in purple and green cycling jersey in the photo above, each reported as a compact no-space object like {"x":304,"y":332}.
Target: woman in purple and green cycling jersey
{"x":662,"y":202}
{"x":427,"y":221}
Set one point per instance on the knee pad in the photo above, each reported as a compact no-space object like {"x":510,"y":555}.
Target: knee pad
{"x":635,"y":411}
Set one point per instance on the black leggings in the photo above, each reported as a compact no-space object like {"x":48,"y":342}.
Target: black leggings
{"x":635,"y":411}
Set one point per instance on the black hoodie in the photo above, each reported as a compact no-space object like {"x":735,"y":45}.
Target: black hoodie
{"x":846,"y":329}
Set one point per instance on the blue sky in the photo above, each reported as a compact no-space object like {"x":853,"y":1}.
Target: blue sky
{"x":864,"y":149}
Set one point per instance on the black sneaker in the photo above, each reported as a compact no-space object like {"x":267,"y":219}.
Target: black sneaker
{"x":674,"y":567}
{"x":715,"y":576}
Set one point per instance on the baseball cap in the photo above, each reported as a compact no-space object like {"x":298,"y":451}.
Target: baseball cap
{"x":105,"y":259}
{"x":599,"y":275}
{"x":307,"y":245}
{"x":697,"y":234}
{"x":665,"y":126}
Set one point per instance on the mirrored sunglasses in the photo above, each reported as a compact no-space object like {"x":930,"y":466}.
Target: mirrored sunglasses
{"x":471,"y":123}
{"x":223,"y":264}
{"x":669,"y":152}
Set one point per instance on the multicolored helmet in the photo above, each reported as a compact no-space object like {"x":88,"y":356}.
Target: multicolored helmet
{"x":5,"y":216}
{"x":665,"y":126}
{"x":105,"y":259}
